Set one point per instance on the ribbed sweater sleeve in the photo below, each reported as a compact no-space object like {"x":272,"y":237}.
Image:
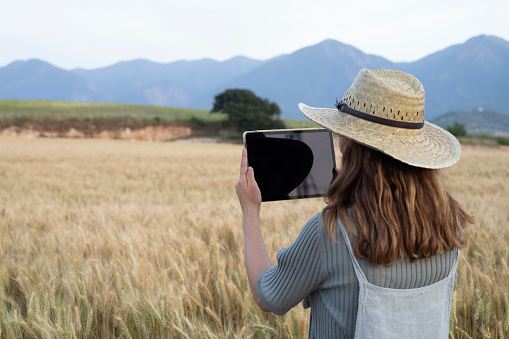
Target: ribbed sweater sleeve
{"x":297,"y":273}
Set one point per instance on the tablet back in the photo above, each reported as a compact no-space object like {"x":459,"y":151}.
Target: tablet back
{"x":291,"y":164}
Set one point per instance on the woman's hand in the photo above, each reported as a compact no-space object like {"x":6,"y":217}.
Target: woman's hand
{"x":249,"y":194}
{"x":250,"y":198}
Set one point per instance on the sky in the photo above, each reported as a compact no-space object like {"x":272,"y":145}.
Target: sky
{"x":97,"y":33}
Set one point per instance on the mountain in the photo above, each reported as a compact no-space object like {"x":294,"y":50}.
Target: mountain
{"x":36,"y":79}
{"x":467,"y":76}
{"x":477,"y":121}
{"x":315,"y":75}
{"x":461,"y":77}
{"x":178,"y":84}
{"x":464,"y":76}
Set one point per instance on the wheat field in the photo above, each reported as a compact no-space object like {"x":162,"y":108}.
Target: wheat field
{"x":113,"y":238}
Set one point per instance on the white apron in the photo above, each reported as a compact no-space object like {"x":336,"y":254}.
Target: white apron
{"x":402,"y":313}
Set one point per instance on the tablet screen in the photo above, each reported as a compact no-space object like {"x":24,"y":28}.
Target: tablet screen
{"x":291,"y":164}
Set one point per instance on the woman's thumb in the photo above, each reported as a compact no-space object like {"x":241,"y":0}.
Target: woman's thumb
{"x":250,"y":176}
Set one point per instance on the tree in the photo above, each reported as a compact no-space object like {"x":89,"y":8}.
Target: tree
{"x":246,"y":111}
{"x":457,"y":129}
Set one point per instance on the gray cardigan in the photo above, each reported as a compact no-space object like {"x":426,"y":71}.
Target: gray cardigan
{"x":318,"y":270}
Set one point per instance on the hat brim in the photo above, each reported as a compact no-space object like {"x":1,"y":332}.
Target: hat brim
{"x":433,"y":147}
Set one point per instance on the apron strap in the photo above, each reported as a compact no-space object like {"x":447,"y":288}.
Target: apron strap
{"x":358,"y":271}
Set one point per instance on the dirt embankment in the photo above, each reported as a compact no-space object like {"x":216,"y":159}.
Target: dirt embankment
{"x":101,"y":128}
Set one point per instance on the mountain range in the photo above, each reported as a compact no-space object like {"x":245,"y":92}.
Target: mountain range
{"x":461,"y":77}
{"x":477,"y":121}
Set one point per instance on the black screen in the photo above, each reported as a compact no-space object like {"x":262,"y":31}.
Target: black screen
{"x":291,"y":164}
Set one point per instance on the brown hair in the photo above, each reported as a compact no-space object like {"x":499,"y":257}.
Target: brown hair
{"x":397,"y":210}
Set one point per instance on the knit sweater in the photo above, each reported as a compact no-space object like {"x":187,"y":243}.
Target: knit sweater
{"x":317,"y":270}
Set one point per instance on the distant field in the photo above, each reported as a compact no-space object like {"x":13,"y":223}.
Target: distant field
{"x":14,"y":109}
{"x":121,"y":239}
{"x":37,"y":109}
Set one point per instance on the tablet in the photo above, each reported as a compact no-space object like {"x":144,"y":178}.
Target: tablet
{"x":291,"y":164}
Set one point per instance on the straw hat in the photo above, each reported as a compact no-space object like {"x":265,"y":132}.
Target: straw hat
{"x":384,"y":110}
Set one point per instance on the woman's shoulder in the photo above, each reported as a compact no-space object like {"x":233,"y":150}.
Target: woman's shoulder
{"x":314,"y":221}
{"x":314,"y":233}
{"x":317,"y":224}
{"x":312,"y":226}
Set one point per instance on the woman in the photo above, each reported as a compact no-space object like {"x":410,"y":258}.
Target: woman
{"x":380,"y":260}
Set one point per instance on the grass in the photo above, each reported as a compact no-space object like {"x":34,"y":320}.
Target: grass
{"x":113,"y":238}
{"x":294,"y":123}
{"x":39,"y":109}
{"x":16,"y":112}
{"x":484,"y":140}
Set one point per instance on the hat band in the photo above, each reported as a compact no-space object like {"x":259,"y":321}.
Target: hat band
{"x":342,"y":107}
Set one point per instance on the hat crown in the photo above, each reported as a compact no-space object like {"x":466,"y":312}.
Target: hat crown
{"x":387,"y":94}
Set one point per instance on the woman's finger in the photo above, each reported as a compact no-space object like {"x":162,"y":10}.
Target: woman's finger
{"x":243,"y":165}
{"x":250,"y":177}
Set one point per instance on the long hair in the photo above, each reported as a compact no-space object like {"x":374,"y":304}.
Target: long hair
{"x":396,"y":210}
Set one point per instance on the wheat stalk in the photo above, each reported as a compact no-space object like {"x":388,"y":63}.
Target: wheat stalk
{"x":125,"y":332}
{"x":89,"y":324}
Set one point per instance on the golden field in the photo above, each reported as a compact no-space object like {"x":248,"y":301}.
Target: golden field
{"x":113,"y":238}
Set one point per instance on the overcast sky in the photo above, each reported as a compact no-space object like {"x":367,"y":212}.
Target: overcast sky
{"x":96,"y":33}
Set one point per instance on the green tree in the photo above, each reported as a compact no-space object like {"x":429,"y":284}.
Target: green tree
{"x":502,"y":140}
{"x":457,"y":129}
{"x":246,"y":111}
